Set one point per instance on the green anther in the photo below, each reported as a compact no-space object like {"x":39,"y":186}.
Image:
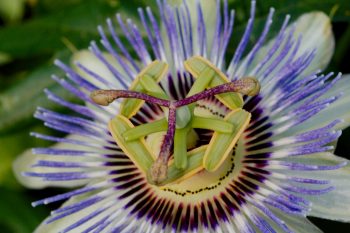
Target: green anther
{"x":156,"y":70}
{"x":195,"y":164}
{"x":231,"y":100}
{"x":180,"y":148}
{"x":221,"y":144}
{"x":195,"y":65}
{"x":141,"y":131}
{"x":212,"y":124}
{"x":152,"y":88}
{"x":129,"y":107}
{"x":136,"y":150}
{"x":202,"y":81}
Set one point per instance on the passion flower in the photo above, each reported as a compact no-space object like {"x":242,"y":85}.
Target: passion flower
{"x":185,"y":142}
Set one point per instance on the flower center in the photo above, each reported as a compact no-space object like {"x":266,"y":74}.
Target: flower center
{"x":174,"y":162}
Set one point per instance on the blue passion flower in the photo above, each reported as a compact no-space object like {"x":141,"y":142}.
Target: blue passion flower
{"x":191,"y":140}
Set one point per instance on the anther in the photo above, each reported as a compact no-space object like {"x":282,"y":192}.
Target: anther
{"x":247,"y":86}
{"x":102,"y":97}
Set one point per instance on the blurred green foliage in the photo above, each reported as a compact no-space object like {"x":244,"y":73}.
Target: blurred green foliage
{"x":35,"y":32}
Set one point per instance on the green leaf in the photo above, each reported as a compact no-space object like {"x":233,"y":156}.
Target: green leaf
{"x":76,"y":24}
{"x":16,"y":213}
{"x":11,"y":11}
{"x":18,"y":103}
{"x":338,"y":10}
{"x":341,"y":54}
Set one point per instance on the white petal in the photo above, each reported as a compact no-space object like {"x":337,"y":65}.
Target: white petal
{"x":297,"y":224}
{"x":337,"y":110}
{"x":24,"y":163}
{"x":316,"y":31}
{"x":91,"y":62}
{"x":340,"y":109}
{"x":302,"y":225}
{"x":334,"y":205}
{"x":209,"y":12}
{"x":59,"y":225}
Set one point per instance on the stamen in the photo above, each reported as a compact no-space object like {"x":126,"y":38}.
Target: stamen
{"x":212,"y":124}
{"x":180,"y":116}
{"x":180,"y":148}
{"x":221,"y":144}
{"x":143,"y":130}
{"x":159,"y":168}
{"x":152,"y":87}
{"x":197,"y":65}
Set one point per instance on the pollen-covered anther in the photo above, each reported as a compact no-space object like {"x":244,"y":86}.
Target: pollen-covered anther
{"x":248,"y":86}
{"x":158,"y":171}
{"x":102,"y":97}
{"x":105,"y":97}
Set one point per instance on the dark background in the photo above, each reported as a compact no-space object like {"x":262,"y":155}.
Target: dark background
{"x":35,"y":32}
